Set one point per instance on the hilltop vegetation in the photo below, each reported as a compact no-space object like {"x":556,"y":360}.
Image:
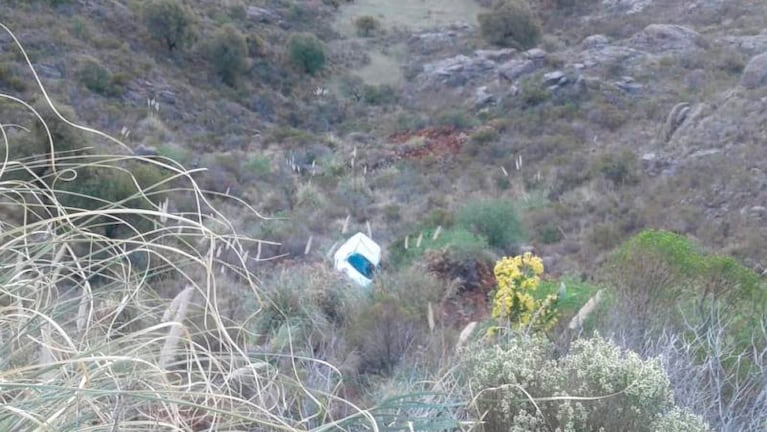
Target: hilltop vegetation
{"x":569,"y":196}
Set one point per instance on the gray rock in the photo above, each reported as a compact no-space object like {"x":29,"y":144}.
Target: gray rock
{"x":632,"y":88}
{"x":596,"y":41}
{"x":498,"y":56}
{"x":535,"y":54}
{"x":262,"y":15}
{"x":455,"y":71}
{"x":666,"y":37}
{"x":628,"y":85}
{"x":143,"y":150}
{"x":429,"y":42}
{"x":627,"y":7}
{"x":609,"y":54}
{"x":755,"y":73}
{"x":482,"y":97}
{"x":704,"y":153}
{"x":554,"y":77}
{"x":166,"y":97}
{"x":513,"y":69}
{"x":49,"y":71}
{"x":749,"y":45}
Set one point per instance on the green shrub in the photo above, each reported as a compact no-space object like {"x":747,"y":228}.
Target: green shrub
{"x":458,"y":242}
{"x":661,"y":281}
{"x":303,"y":297}
{"x":34,"y":149}
{"x":366,"y":25}
{"x":510,"y":23}
{"x":228,"y":52}
{"x":620,"y":169}
{"x":484,"y":135}
{"x":98,"y":79}
{"x":533,"y":93}
{"x":103,"y":187}
{"x":388,"y":328}
{"x":79,"y":28}
{"x":256,"y":45}
{"x":383,"y":333}
{"x":608,"y":116}
{"x":169,"y":21}
{"x":379,"y":94}
{"x":9,"y":79}
{"x":495,"y":220}
{"x":628,"y":393}
{"x":456,"y":118}
{"x":306,"y":52}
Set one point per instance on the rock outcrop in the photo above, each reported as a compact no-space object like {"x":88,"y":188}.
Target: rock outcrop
{"x":755,"y":73}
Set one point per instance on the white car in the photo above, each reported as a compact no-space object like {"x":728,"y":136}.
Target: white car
{"x":358,"y":258}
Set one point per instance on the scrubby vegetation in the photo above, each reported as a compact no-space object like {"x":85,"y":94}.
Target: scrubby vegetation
{"x":170,"y":21}
{"x":510,"y":23}
{"x":228,"y":52}
{"x":572,"y":236}
{"x":306,"y":52}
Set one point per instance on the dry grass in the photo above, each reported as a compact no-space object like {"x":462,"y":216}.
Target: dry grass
{"x":90,"y":344}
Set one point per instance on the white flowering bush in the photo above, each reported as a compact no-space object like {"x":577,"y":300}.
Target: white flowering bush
{"x":519,"y":386}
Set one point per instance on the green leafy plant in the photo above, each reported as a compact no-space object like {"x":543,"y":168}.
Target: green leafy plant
{"x":306,"y":52}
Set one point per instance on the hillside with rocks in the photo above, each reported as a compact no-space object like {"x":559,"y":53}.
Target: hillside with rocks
{"x":603,"y":154}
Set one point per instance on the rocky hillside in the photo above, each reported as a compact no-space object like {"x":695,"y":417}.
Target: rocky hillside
{"x":628,"y":114}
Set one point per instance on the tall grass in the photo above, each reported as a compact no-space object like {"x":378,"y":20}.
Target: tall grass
{"x":132,"y":332}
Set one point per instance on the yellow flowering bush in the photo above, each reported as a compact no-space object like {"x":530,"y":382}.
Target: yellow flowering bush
{"x":515,"y":303}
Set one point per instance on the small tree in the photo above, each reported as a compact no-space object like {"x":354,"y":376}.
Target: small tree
{"x":306,"y":52}
{"x":170,"y":21}
{"x":228,"y":52}
{"x":510,"y":23}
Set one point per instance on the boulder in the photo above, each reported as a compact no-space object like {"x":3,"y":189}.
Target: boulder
{"x":49,"y":71}
{"x":666,"y":37}
{"x":429,"y":42}
{"x":596,"y":41}
{"x":145,"y":151}
{"x":261,"y":15}
{"x":750,"y":45}
{"x":536,"y":54}
{"x":455,"y":71}
{"x":755,"y":73}
{"x":514,"y":69}
{"x":553,"y":77}
{"x":501,"y":55}
{"x":609,"y":54}
{"x":482,"y":97}
{"x":627,"y":7}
